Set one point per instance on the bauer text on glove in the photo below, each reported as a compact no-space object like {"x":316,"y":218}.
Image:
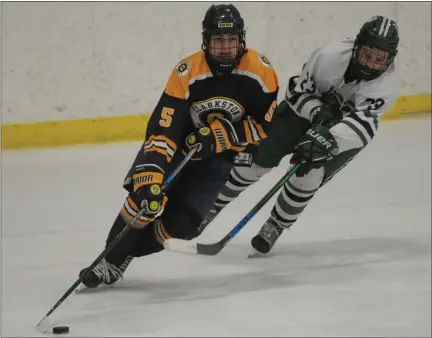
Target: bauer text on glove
{"x":315,"y":148}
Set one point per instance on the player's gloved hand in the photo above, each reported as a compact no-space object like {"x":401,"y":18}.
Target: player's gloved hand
{"x":332,"y":105}
{"x":147,"y":191}
{"x":315,"y":148}
{"x":324,"y":117}
{"x":219,"y":136}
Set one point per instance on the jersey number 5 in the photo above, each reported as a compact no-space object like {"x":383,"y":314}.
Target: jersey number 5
{"x":166,"y":117}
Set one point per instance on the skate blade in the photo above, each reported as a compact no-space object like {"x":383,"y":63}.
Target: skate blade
{"x":84,"y":289}
{"x":256,"y":254}
{"x":81,"y":288}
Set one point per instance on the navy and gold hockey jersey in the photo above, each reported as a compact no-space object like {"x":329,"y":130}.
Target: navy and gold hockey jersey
{"x":194,"y":97}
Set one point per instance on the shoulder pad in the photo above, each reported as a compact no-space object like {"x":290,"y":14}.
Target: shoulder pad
{"x":258,"y":67}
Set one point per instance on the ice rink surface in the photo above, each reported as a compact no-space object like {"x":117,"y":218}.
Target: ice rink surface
{"x":357,"y":262}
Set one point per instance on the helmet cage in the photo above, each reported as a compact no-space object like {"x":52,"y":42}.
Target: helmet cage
{"x":365,"y":69}
{"x":241,"y":46}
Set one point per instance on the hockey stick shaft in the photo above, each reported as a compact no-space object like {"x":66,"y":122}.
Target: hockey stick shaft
{"x":117,"y":239}
{"x":213,"y":249}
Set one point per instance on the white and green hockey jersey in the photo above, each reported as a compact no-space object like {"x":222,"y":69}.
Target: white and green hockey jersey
{"x":362,"y":103}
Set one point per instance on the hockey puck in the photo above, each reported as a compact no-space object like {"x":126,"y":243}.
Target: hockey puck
{"x":60,"y":329}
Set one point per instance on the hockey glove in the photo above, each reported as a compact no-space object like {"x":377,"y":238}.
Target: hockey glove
{"x":216,"y":138}
{"x":323,"y":116}
{"x":315,"y":148}
{"x":147,"y":190}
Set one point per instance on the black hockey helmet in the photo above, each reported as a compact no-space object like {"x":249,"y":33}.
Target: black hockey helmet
{"x":380,"y":33}
{"x":223,"y":19}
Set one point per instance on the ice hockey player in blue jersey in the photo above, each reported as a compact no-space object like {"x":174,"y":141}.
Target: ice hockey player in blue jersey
{"x":331,"y":112}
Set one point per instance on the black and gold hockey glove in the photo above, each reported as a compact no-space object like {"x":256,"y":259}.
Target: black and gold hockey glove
{"x":147,"y":190}
{"x":216,"y":138}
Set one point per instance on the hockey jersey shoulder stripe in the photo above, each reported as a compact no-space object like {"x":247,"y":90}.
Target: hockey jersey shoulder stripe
{"x":185,"y":73}
{"x":259,"y":68}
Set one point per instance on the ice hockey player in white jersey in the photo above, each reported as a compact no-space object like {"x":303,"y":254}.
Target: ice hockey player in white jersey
{"x":331,"y":112}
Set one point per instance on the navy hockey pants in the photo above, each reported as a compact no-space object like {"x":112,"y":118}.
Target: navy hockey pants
{"x":190,"y":197}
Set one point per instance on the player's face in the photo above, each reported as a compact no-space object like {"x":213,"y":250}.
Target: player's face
{"x":224,"y":46}
{"x":373,"y":58}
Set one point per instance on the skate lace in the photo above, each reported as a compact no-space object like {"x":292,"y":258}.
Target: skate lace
{"x":107,"y":271}
{"x":270,"y":232}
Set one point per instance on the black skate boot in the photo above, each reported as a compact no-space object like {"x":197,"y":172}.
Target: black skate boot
{"x":267,"y":237}
{"x":105,"y":272}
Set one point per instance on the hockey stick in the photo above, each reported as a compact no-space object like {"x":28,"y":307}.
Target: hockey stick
{"x":181,"y":245}
{"x":45,"y":325}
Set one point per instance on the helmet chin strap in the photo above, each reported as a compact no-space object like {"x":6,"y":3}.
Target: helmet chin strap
{"x":356,"y":72}
{"x":222,"y":67}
